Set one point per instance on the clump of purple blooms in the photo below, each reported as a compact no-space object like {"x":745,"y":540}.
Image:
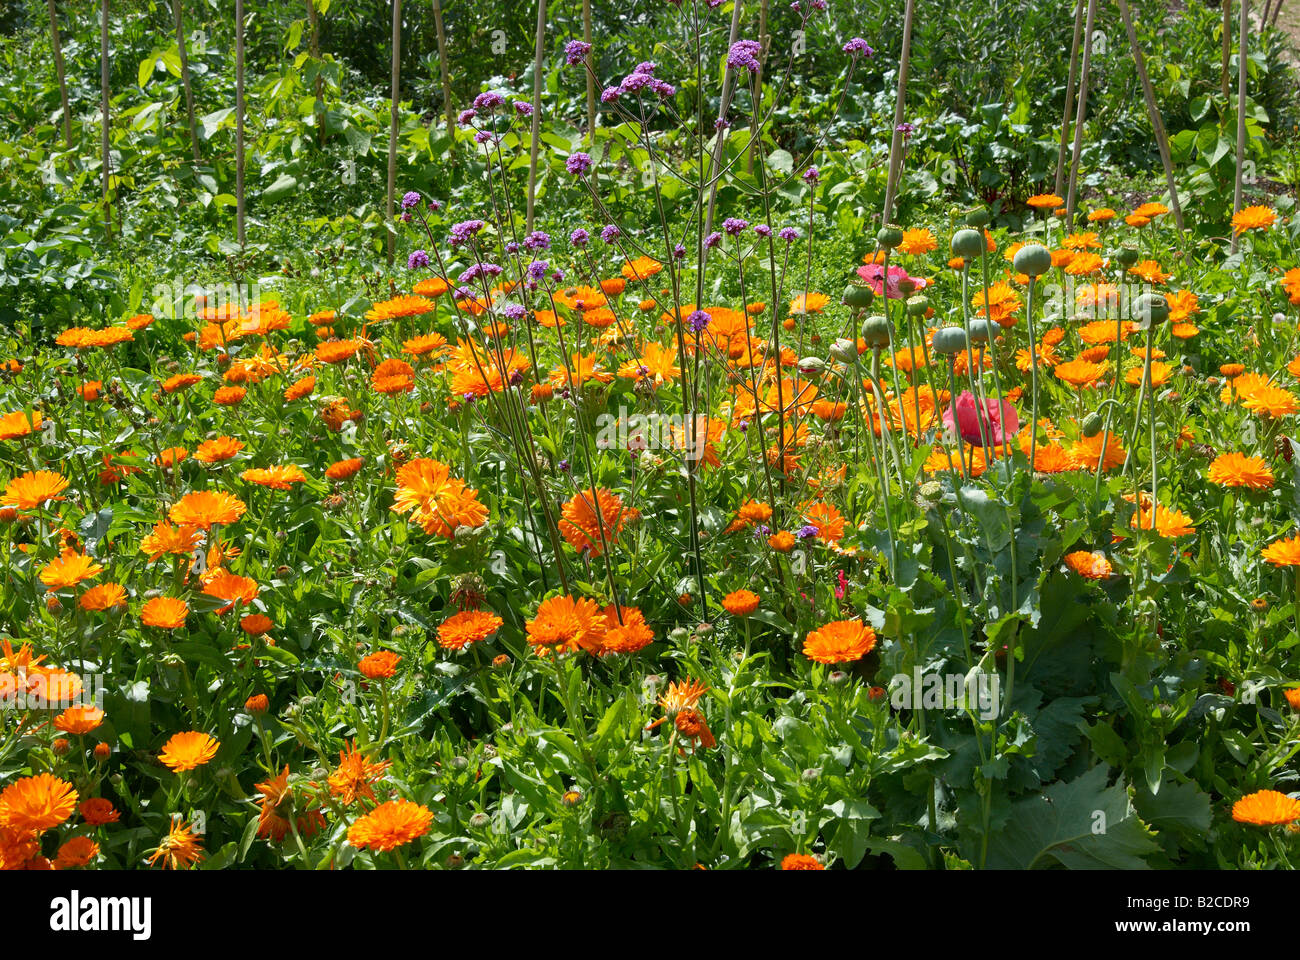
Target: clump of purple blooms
{"x":578,"y":163}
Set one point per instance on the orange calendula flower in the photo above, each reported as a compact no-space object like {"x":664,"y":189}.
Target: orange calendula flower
{"x":1045,"y":201}
{"x":76,"y":852}
{"x":180,"y":849}
{"x":103,"y":597}
{"x":1088,"y":564}
{"x":355,"y":776}
{"x":641,"y":268}
{"x":436,"y":500}
{"x":186,"y":751}
{"x":379,"y":665}
{"x":79,"y":720}
{"x":277,"y":477}
{"x":467,"y":627}
{"x":390,"y":825}
{"x":32,"y":490}
{"x":231,"y":588}
{"x":97,"y":811}
{"x":18,"y":424}
{"x":166,"y":613}
{"x":69,"y":570}
{"x":218,"y":450}
{"x":593,"y":520}
{"x":1266,"y":808}
{"x":36,"y":804}
{"x":1253,"y":218}
{"x":803,"y":861}
{"x":740,"y":603}
{"x":1283,"y":553}
{"x":917,"y":242}
{"x":841,"y":641}
{"x":205,"y":509}
{"x":629,"y":636}
{"x":1165,"y":522}
{"x":1149,"y":270}
{"x":565,"y":624}
{"x":1239,"y":470}
{"x":344,"y":469}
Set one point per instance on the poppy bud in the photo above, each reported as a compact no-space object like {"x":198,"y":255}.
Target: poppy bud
{"x":876,"y":332}
{"x":1092,"y":424}
{"x":845,"y":351}
{"x":858,"y":296}
{"x":977,"y":217}
{"x":889,"y":236}
{"x":1127,"y":256}
{"x":1033,"y":259}
{"x":968,"y":244}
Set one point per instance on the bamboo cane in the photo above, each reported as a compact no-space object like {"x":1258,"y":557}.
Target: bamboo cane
{"x":1227,"y":48}
{"x":442,"y":67}
{"x":57,"y":44}
{"x":591,"y":79}
{"x":900,"y":104}
{"x":537,"y":110}
{"x":1243,"y":31}
{"x":1153,"y":109}
{"x":103,"y":109}
{"x":239,"y":122}
{"x":318,"y":87}
{"x":393,"y":122}
{"x":185,"y":77}
{"x":1081,"y":112}
{"x":1069,"y":96}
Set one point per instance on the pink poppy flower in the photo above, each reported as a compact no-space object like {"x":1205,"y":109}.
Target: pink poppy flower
{"x":871,"y":272}
{"x":996,"y":417}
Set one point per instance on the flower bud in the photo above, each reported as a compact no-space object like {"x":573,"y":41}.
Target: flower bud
{"x":876,"y":332}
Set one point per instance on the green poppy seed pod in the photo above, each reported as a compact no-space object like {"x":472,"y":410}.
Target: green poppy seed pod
{"x":845,"y":351}
{"x":876,"y":332}
{"x":1127,"y":256}
{"x":968,"y":244}
{"x":916,"y":306}
{"x":858,"y":296}
{"x":949,"y":340}
{"x":906,"y":286}
{"x":1033,"y":260}
{"x":979,"y":330}
{"x":1152,"y":308}
{"x":1092,"y":424}
{"x":889,"y":236}
{"x":978,"y":217}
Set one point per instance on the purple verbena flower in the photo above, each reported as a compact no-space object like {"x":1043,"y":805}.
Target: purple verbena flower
{"x":698,"y":321}
{"x":610,"y":233}
{"x":410,"y":199}
{"x":734,"y":225}
{"x":489,"y":101}
{"x":579,"y":237}
{"x":578,"y":164}
{"x":811,"y":176}
{"x":418,"y":260}
{"x":744,"y":55}
{"x":858,"y":46}
{"x":788,"y":234}
{"x":575,"y":51}
{"x":537,"y":240}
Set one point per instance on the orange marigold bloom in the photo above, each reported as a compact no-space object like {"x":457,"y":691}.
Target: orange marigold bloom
{"x":1293,"y":697}
{"x":839,"y":642}
{"x":180,"y":381}
{"x":1270,"y":401}
{"x":641,"y":268}
{"x":277,"y":477}
{"x":1149,"y":270}
{"x":782,"y":541}
{"x":593,"y":519}
{"x":467,"y":627}
{"x":1045,"y":201}
{"x":1239,"y":470}
{"x":1256,"y":217}
{"x":103,"y":597}
{"x":69,"y":570}
{"x":36,"y":804}
{"x":169,"y":539}
{"x":18,"y":424}
{"x":97,"y":811}
{"x":205,"y":509}
{"x":79,"y":720}
{"x":257,"y":703}
{"x":229,"y":396}
{"x":167,"y":613}
{"x":33,"y":489}
{"x":917,"y":242}
{"x":181,"y":848}
{"x":1166,"y":522}
{"x":218,"y":450}
{"x":740,"y":603}
{"x":255,"y":624}
{"x":355,"y":776}
{"x":629,"y":636}
{"x":803,"y":861}
{"x":1088,"y":564}
{"x":379,"y":665}
{"x":1105,"y":446}
{"x":1283,"y":553}
{"x":171,"y":456}
{"x":1079,"y":373}
{"x":188,"y":750}
{"x":337,"y":351}
{"x":402,"y":306}
{"x":565,"y":624}
{"x":76,"y":852}
{"x":393,"y":376}
{"x":344,"y":469}
{"x":231,"y":588}
{"x":300,"y":389}
{"x":390,"y":825}
{"x":1151,"y":210}
{"x":429,"y":343}
{"x":1266,"y":808}
{"x":436,"y":500}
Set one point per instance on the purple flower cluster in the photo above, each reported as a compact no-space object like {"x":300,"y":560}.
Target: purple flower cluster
{"x":811,"y":176}
{"x":642,"y":78}
{"x":523,"y":108}
{"x":489,"y":101}
{"x":788,"y":234}
{"x":462,"y":232}
{"x":575,"y":51}
{"x":537,"y":240}
{"x":805,"y":532}
{"x":858,"y":46}
{"x":513,"y":311}
{"x":579,"y":237}
{"x":734,"y":226}
{"x":477,"y":270}
{"x":744,"y":55}
{"x":578,"y":163}
{"x":418,"y":260}
{"x":698,"y":321}
{"x":610,"y":233}
{"x":410,"y":199}
{"x":466,"y":117}
{"x":537,"y":269}
{"x":712,"y":240}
